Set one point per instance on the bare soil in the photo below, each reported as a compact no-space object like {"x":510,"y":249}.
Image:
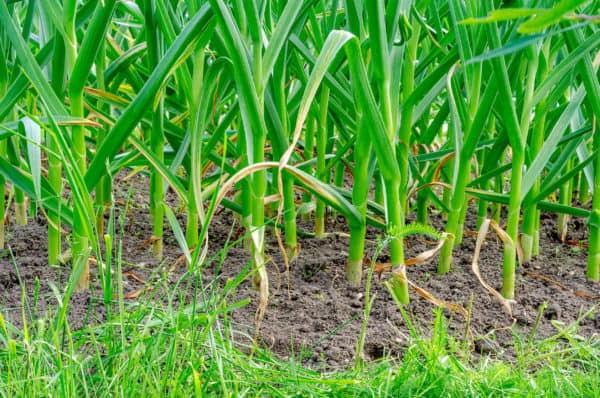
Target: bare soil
{"x":319,"y":316}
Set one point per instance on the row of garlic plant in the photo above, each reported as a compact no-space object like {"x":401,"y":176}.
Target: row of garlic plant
{"x":232,"y":89}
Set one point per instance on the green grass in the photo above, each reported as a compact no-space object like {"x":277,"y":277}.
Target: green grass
{"x":157,"y":351}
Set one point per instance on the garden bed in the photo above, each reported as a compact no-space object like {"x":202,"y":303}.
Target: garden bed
{"x":318,"y":317}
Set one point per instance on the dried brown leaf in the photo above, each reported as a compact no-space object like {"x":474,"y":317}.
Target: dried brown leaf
{"x":438,"y":302}
{"x":135,"y":276}
{"x":133,"y":295}
{"x":148,"y":242}
{"x":475,"y":265}
{"x":561,"y":286}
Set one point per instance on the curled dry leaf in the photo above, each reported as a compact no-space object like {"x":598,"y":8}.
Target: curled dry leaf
{"x":148,"y":242}
{"x":576,"y":243}
{"x":561,"y":286}
{"x":272,"y":199}
{"x":428,"y":254}
{"x":133,"y":295}
{"x":135,"y":276}
{"x":438,"y":302}
{"x":180,"y":261}
{"x":421,"y":258}
{"x":475,"y":265}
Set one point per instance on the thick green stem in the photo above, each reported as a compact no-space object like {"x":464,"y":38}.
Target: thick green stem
{"x":360,"y":195}
{"x":565,"y":198}
{"x":497,"y":207}
{"x":593,"y":264}
{"x":422,"y":210}
{"x":536,"y":142}
{"x":531,"y":233}
{"x":396,"y":191}
{"x":81,"y":65}
{"x":592,"y":87}
{"x":512,"y":227}
{"x":69,"y":11}
{"x":191,"y":230}
{"x":458,"y":202}
{"x":584,"y":189}
{"x":338,"y":175}
{"x":157,"y":137}
{"x":257,"y":229}
{"x":472,"y":128}
{"x":309,"y":145}
{"x":195,"y":211}
{"x":289,"y":205}
{"x":244,"y":197}
{"x":20,"y":207}
{"x":355,"y":254}
{"x":395,"y":222}
{"x":79,"y":249}
{"x":2,"y":195}
{"x":408,"y":83}
{"x":75,"y":96}
{"x":482,"y":208}
{"x":79,"y":243}
{"x":453,"y":225}
{"x":104,"y":186}
{"x":80,"y":239}
{"x":517,"y":139}
{"x":156,"y":182}
{"x":54,"y":162}
{"x":279,"y":94}
{"x":529,"y":230}
{"x":3,"y":154}
{"x":259,"y":181}
{"x":321,"y":152}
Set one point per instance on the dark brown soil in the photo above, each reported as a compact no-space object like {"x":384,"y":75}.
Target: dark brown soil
{"x":320,"y":315}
